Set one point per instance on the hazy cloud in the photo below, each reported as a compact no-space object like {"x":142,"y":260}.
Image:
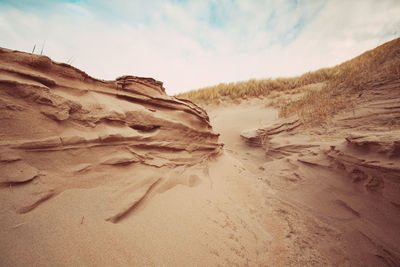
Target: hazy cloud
{"x":191,"y":44}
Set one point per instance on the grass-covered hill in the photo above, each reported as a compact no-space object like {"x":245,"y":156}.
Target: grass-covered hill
{"x":334,"y":84}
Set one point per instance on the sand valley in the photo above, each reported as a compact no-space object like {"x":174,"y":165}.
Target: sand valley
{"x":118,"y":173}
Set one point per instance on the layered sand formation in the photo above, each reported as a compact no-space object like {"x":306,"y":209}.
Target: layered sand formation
{"x":58,"y":120}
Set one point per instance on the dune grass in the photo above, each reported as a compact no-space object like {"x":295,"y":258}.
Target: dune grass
{"x":347,"y":79}
{"x":253,"y":88}
{"x":379,"y":64}
{"x":316,"y":107}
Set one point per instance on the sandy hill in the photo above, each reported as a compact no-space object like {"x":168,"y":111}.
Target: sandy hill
{"x":378,"y":65}
{"x":117,"y":173}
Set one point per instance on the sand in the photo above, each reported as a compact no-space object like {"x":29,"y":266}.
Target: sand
{"x":117,"y":173}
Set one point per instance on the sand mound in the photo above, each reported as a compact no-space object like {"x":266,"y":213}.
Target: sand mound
{"x":60,"y":127}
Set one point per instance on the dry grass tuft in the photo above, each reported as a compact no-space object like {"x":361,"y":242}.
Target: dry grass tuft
{"x":315,"y":107}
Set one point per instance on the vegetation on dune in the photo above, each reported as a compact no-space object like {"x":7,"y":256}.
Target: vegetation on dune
{"x":374,"y":66}
{"x":253,"y":88}
{"x":315,"y":106}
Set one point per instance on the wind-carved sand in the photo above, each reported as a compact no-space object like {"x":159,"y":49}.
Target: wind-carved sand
{"x":117,"y":173}
{"x":58,"y":120}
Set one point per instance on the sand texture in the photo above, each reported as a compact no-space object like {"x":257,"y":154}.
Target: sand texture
{"x":117,"y":173}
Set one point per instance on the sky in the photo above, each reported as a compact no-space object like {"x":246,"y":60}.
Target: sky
{"x":193,"y":44}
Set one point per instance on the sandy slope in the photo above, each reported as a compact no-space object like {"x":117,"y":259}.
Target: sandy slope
{"x":116,"y":173}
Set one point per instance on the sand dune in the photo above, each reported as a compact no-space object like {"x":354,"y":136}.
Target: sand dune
{"x":117,"y":173}
{"x":64,"y":133}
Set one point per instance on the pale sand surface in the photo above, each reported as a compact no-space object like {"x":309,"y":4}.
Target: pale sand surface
{"x":98,"y":175}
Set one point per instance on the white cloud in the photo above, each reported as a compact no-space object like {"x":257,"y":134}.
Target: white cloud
{"x":191,"y":45}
